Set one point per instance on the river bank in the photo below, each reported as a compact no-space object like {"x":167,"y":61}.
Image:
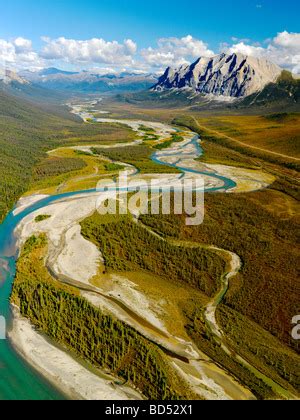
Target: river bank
{"x":68,"y":255}
{"x":61,"y":369}
{"x":72,"y":257}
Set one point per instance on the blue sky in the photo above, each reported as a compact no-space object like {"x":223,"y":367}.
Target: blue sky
{"x":218,"y":24}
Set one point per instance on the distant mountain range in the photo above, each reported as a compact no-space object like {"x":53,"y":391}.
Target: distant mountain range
{"x":16,"y":85}
{"x":228,"y":76}
{"x":7,"y":77}
{"x":88,"y":81}
{"x":221,"y":82}
{"x":54,"y":84}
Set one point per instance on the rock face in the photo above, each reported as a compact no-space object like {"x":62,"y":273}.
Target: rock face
{"x":234,"y":75}
{"x":9,"y":76}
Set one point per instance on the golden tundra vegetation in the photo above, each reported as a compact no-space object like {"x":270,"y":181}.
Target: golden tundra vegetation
{"x":261,"y":227}
{"x":275,"y":132}
{"x":138,"y":156}
{"x":264,"y":297}
{"x":58,"y":311}
{"x":128,"y":247}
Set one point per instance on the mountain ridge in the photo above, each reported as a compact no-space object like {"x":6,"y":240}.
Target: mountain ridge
{"x":233,"y":76}
{"x":284,"y":94}
{"x":89,"y":81}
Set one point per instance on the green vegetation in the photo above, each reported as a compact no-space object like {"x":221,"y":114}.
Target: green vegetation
{"x":257,"y":311}
{"x":112,"y":167}
{"x":138,"y":156}
{"x":260,"y":227}
{"x":240,"y":133}
{"x":176,"y":138}
{"x":54,"y":166}
{"x":27,"y":132}
{"x":33,"y":243}
{"x":280,"y":117}
{"x":146,"y":129}
{"x":157,"y":100}
{"x":219,"y":135}
{"x":151,"y":137}
{"x":261,"y":348}
{"x":149,"y":133}
{"x":59,"y":312}
{"x":41,"y":218}
{"x":284,"y":94}
{"x":126,"y":246}
{"x":197,"y":329}
{"x":85,"y":177}
{"x":104,"y":133}
{"x":264,"y":291}
{"x":81,"y":153}
{"x":216,"y":154}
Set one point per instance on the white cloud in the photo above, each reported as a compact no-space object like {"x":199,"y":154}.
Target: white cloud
{"x":284,"y":50}
{"x":156,"y":58}
{"x":95,"y":50}
{"x":288,"y":40}
{"x":7,"y":51}
{"x":18,"y":53}
{"x":175,"y":51}
{"x":22,"y":45}
{"x":131,"y":46}
{"x":245,"y":49}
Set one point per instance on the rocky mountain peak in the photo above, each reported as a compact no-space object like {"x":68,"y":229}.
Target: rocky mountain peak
{"x":229,"y":75}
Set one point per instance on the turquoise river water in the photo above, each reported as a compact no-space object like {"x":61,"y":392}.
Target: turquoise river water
{"x":18,"y":381}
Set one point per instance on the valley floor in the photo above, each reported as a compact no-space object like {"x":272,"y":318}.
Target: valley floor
{"x":74,"y":260}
